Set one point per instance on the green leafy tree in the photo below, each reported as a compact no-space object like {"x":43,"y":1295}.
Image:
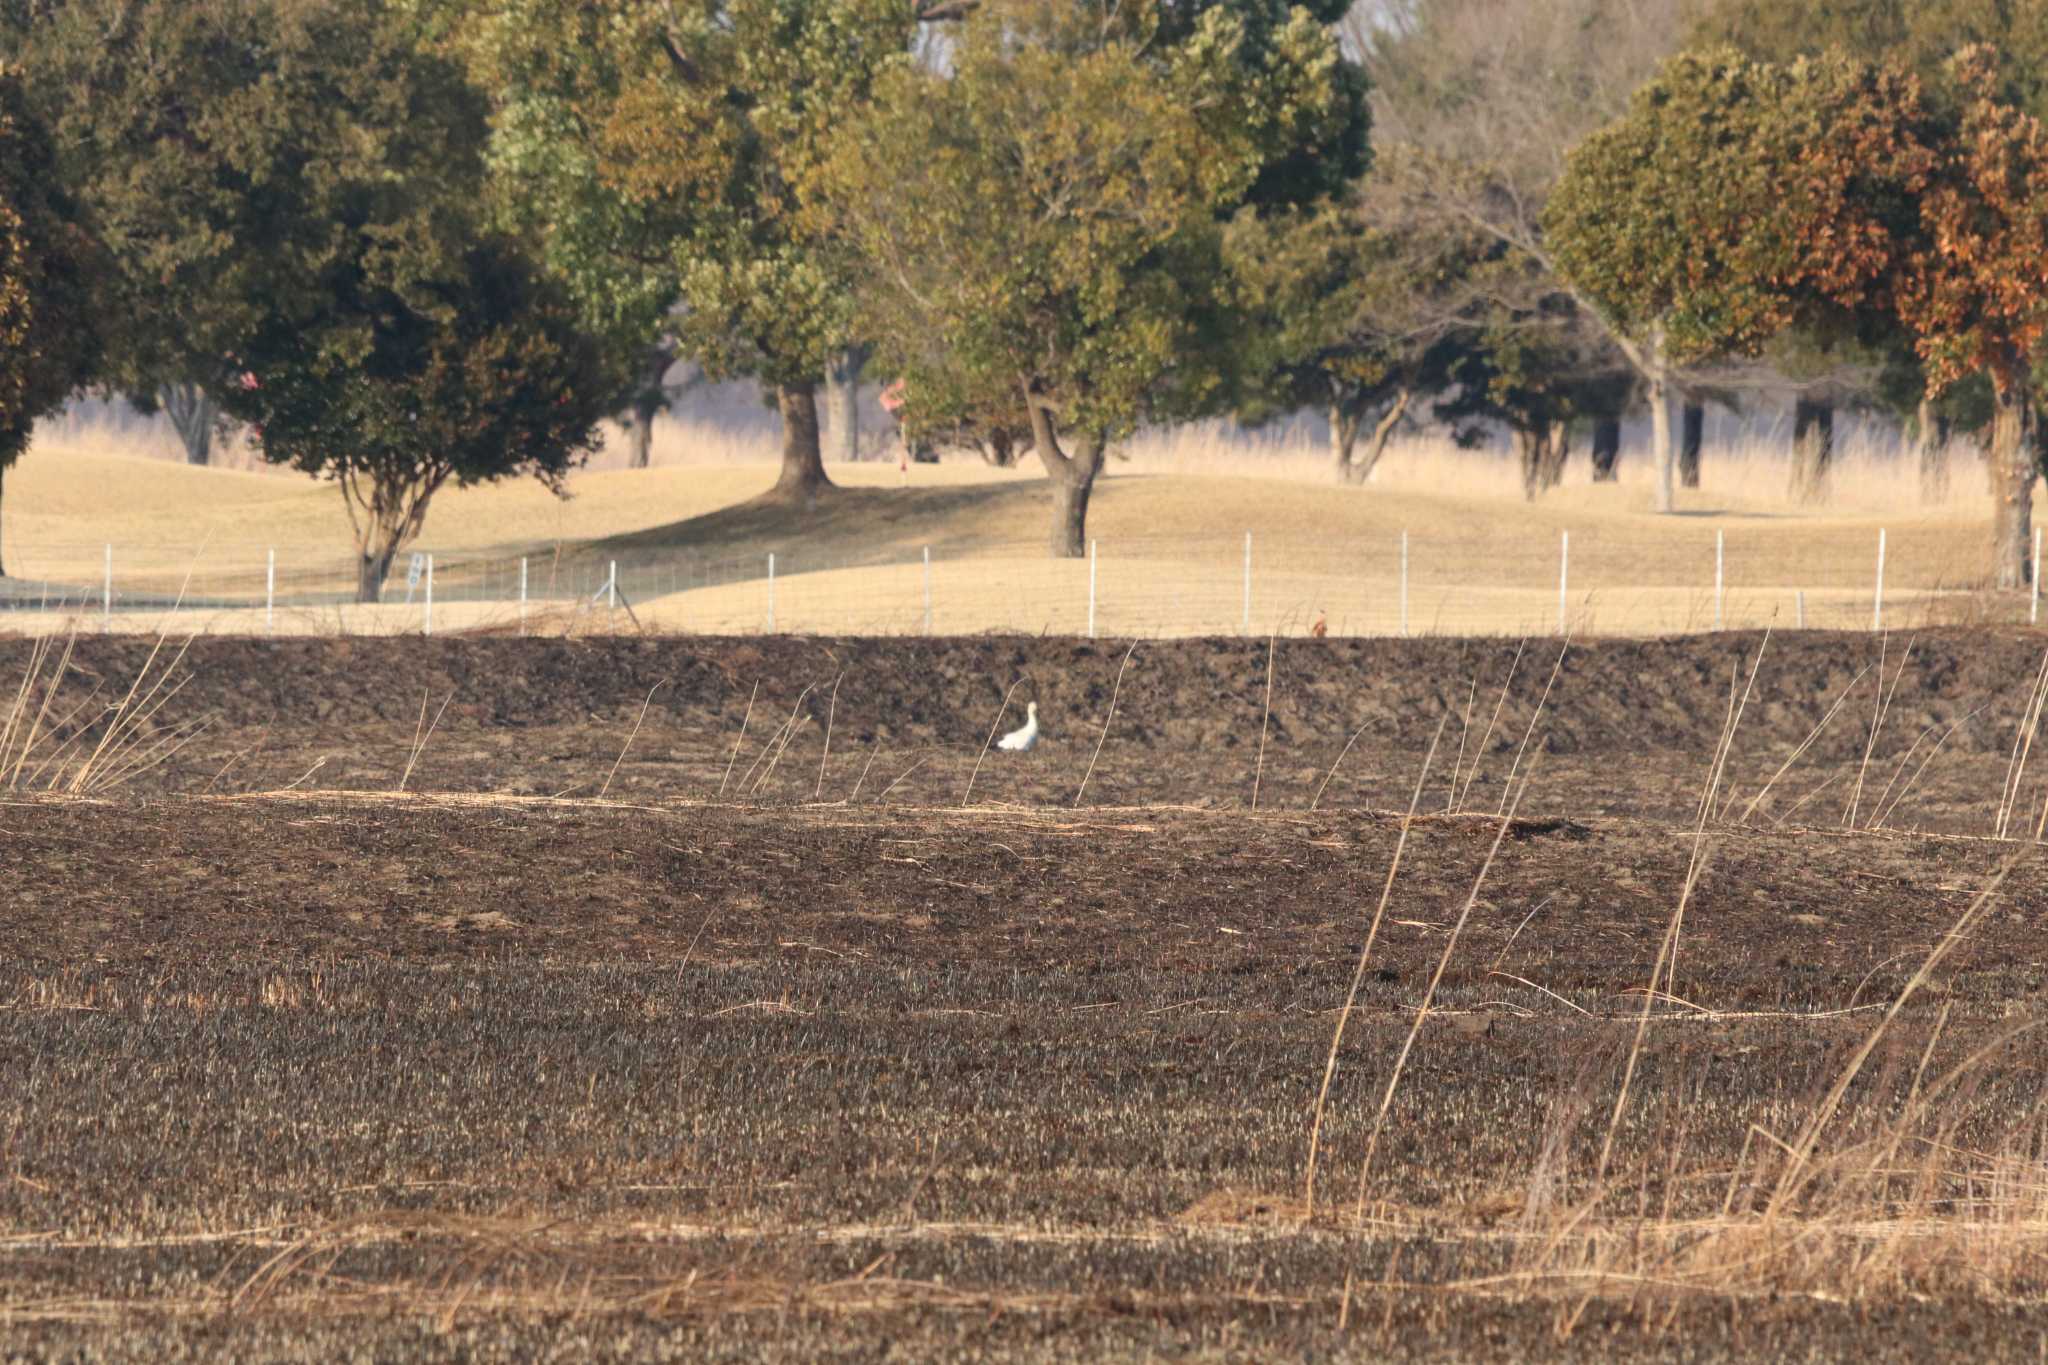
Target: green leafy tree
{"x":1976,"y":293}
{"x":656,"y":151}
{"x":1680,"y":226}
{"x":200,"y":138}
{"x":48,"y":345}
{"x":442,"y":362}
{"x":1041,"y":224}
{"x":1348,"y":313}
{"x":291,"y":194}
{"x":1920,"y":36}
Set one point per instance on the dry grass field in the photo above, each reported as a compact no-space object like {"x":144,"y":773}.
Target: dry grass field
{"x":721,"y":999}
{"x":692,"y":545}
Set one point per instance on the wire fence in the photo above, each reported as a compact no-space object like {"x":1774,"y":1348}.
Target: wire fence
{"x":1582,"y":581}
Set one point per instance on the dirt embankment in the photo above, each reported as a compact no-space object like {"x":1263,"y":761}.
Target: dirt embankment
{"x":1623,"y":728}
{"x":1609,"y":696}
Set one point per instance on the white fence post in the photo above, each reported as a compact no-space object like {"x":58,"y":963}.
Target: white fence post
{"x":270,"y":594}
{"x":1720,"y":560}
{"x":522,"y":594}
{"x":2034,"y":602}
{"x":1091,"y":589}
{"x":1799,"y":605}
{"x":1247,"y":582}
{"x":1564,"y":563}
{"x":1404,"y":585}
{"x":107,"y":591}
{"x":1877,"y":603}
{"x":771,"y":592}
{"x":611,"y":588}
{"x":429,"y":618}
{"x":927,"y":589}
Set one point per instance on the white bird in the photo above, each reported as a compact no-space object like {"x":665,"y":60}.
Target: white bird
{"x":1026,"y":735}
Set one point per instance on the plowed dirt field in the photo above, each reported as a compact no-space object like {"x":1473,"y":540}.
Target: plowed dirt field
{"x":502,"y":999}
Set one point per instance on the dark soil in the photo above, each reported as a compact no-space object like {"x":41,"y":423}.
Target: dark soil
{"x":481,"y":1074}
{"x":1626,"y":728}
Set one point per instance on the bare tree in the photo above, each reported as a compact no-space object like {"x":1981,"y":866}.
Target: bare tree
{"x":1484,"y":99}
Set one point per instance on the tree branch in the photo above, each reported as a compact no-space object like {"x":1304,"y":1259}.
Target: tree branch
{"x":684,"y":67}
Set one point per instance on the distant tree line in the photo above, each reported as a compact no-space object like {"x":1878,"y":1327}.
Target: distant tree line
{"x":409,"y":242}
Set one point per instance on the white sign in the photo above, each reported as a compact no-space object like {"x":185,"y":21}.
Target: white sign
{"x":413,"y":571}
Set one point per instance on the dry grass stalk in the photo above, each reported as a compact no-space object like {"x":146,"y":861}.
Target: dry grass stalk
{"x":2022,"y":745}
{"x":854,"y":795}
{"x":1884,"y":706}
{"x":831,"y":712}
{"x":1342,"y":753}
{"x":1464,"y":734}
{"x":739,"y":739}
{"x":420,"y":738}
{"x":1534,"y":716}
{"x":129,"y":741}
{"x":1265,"y":719}
{"x":1115,"y":690}
{"x":1443,"y":963}
{"x":1802,"y":1147}
{"x":647,"y":701}
{"x":777,"y":746}
{"x":1798,"y":751}
{"x":138,"y":707}
{"x":31,"y":734}
{"x":1315,"y":1132}
{"x":1726,"y":747}
{"x":1666,"y":966}
{"x":1884,"y":813}
{"x":899,"y":779}
{"x":1479,"y":754}
{"x":996,"y":725}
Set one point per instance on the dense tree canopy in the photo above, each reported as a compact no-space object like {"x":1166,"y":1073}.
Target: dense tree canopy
{"x":442,"y":362}
{"x":1347,"y":310}
{"x":49,"y":343}
{"x":1976,"y":296}
{"x":210,"y":145}
{"x":1040,"y":225}
{"x":1685,"y":226}
{"x":290,"y":193}
{"x":657,"y":151}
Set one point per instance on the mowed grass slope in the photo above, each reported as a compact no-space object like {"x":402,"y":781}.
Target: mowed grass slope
{"x":693,"y":536}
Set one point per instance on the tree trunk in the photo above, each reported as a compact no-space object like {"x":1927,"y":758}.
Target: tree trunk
{"x":1931,"y":437}
{"x":194,"y":415}
{"x":1529,"y":456}
{"x":1543,"y":450}
{"x":1382,"y":433}
{"x":1606,"y":449}
{"x":1001,"y":449}
{"x":650,"y":400}
{"x":1072,"y":475}
{"x":1345,"y":420}
{"x":1070,"y":515}
{"x":1692,"y":428}
{"x":646,"y":407}
{"x":2013,"y":468}
{"x":842,"y":401}
{"x":372,"y":568}
{"x":1557,"y":450}
{"x":1661,"y":452}
{"x":3,"y":489}
{"x":803,"y":466}
{"x":1813,"y":449}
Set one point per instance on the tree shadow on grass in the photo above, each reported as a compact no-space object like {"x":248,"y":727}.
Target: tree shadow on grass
{"x":848,"y":526}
